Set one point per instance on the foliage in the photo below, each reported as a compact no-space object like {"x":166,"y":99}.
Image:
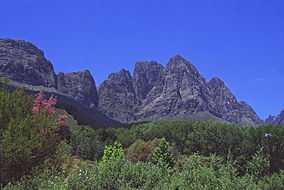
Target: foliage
{"x":172,"y":154}
{"x":29,"y":136}
{"x":258,"y":166}
{"x":113,"y":152}
{"x":197,"y":172}
{"x":229,"y":141}
{"x":141,"y":151}
{"x":162,"y":156}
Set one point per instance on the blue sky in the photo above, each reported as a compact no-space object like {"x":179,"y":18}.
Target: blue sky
{"x":241,"y":41}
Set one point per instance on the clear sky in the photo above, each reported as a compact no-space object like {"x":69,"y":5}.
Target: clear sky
{"x":240,"y":41}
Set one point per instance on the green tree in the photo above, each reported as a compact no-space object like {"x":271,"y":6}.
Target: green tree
{"x":259,"y":165}
{"x":113,"y":152}
{"x":162,"y":156}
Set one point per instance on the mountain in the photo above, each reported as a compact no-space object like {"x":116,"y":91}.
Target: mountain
{"x":22,"y":61}
{"x":177,"y":90}
{"x":25,"y":66}
{"x":152,"y":92}
{"x":117,"y":97}
{"x":80,"y":85}
{"x":276,"y":120}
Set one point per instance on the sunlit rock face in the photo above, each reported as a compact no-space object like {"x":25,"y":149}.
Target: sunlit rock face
{"x":177,"y":90}
{"x":152,"y":92}
{"x":23,"y":62}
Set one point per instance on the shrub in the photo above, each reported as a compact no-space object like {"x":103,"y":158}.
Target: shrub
{"x":141,"y":151}
{"x":113,"y":152}
{"x":162,"y":156}
{"x":258,"y":166}
{"x":29,"y":134}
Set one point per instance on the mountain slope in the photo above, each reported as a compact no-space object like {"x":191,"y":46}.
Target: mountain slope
{"x":25,"y":66}
{"x":177,"y":90}
{"x":153,"y":91}
{"x":276,"y":120}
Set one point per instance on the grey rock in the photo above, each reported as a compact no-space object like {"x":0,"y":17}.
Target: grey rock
{"x":276,"y":120}
{"x":79,"y":85}
{"x":178,"y":90}
{"x":227,"y":107}
{"x":23,"y":62}
{"x":184,"y":92}
{"x":154,"y":91}
{"x":146,"y":76}
{"x":117,"y":97}
{"x":270,"y":119}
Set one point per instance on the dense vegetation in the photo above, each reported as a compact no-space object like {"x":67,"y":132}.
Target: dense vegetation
{"x":42,"y":149}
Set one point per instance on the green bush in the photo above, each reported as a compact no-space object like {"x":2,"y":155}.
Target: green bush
{"x":113,"y":152}
{"x":258,"y":166}
{"x":162,"y":157}
{"x":28,"y":139}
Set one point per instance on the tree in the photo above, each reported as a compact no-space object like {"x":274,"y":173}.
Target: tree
{"x":162,"y":156}
{"x":28,"y":134}
{"x":113,"y":152}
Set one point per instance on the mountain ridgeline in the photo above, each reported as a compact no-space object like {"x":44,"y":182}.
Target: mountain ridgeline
{"x":152,"y":92}
{"x":176,"y":90}
{"x":276,"y":120}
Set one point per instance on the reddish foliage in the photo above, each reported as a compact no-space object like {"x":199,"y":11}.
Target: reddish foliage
{"x":37,"y":103}
{"x":41,"y":104}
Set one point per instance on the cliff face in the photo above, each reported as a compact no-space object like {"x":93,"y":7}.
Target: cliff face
{"x":227,"y":107}
{"x":146,"y":76}
{"x":117,"y":97}
{"x":152,"y":92}
{"x":26,"y":66}
{"x":276,"y":120}
{"x":178,"y":90}
{"x":80,"y":85}
{"x":23,"y":62}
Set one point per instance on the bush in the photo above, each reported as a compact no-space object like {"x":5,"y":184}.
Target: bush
{"x":113,"y":152}
{"x":258,"y":166}
{"x":141,"y":151}
{"x":162,"y":156}
{"x":29,"y":134}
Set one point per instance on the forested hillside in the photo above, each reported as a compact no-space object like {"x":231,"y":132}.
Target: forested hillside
{"x":42,"y":147}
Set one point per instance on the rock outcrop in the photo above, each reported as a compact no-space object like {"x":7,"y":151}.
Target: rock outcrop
{"x":227,"y":107}
{"x":178,"y":90}
{"x":80,"y":85}
{"x":184,"y":92}
{"x":23,"y":62}
{"x":26,"y":67}
{"x":154,"y":91}
{"x":276,"y":120}
{"x":117,"y":96}
{"x":146,"y":76}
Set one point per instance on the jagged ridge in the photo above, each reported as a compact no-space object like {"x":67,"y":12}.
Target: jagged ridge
{"x":177,"y":90}
{"x":152,"y":92}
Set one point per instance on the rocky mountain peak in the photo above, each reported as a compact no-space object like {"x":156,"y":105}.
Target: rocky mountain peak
{"x":220,"y":92}
{"x":179,"y":63}
{"x":153,"y":92}
{"x":270,"y":119}
{"x":23,"y":62}
{"x":276,"y":120}
{"x":80,"y":85}
{"x":146,"y":76}
{"x":216,"y":82}
{"x":117,"y":96}
{"x":226,"y":105}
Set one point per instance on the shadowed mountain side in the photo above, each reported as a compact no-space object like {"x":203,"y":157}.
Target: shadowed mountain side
{"x":84,"y":115}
